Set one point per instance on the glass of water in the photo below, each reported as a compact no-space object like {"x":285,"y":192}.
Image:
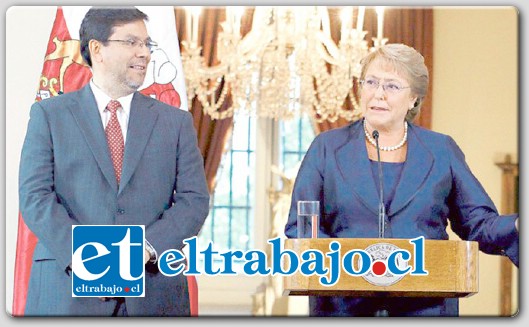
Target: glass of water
{"x":308,"y":222}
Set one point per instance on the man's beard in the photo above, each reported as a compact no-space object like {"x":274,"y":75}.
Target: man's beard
{"x":131,"y":84}
{"x":124,"y":84}
{"x":134,"y":85}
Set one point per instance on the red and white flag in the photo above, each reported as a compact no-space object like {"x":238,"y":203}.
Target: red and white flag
{"x":65,"y":71}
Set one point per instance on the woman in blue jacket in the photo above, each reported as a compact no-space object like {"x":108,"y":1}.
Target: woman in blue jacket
{"x":426,"y":182}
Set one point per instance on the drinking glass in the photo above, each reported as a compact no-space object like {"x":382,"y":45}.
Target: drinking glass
{"x":308,"y":219}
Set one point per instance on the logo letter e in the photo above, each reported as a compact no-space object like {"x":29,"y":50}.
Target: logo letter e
{"x":78,"y":266}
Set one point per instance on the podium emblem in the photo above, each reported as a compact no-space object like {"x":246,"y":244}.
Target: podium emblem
{"x":379,"y":274}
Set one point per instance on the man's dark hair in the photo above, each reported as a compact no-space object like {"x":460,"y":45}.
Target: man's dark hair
{"x":98,"y":24}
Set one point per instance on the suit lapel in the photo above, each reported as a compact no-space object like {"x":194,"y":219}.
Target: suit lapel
{"x":141,"y":123}
{"x":419,"y":163}
{"x":89,"y":121}
{"x":355,"y":168}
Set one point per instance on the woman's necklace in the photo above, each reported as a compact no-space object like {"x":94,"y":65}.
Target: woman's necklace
{"x":387,"y":148}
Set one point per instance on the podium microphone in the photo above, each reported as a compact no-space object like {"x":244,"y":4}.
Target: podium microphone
{"x":381,"y":207}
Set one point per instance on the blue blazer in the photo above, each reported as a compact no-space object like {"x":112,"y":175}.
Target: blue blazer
{"x":436,"y":186}
{"x":66,"y":178}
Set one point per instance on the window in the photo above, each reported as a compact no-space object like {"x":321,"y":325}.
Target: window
{"x":296,"y":136}
{"x":240,"y":214}
{"x":231,"y":223}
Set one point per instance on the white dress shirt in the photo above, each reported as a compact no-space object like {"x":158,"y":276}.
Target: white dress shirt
{"x":123,"y":114}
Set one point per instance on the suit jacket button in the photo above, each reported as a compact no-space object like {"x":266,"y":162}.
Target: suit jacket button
{"x":121,"y":211}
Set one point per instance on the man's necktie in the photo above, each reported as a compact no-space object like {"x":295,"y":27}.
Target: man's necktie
{"x":116,"y":145}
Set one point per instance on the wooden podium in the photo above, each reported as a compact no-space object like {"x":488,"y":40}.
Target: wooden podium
{"x":452,"y":270}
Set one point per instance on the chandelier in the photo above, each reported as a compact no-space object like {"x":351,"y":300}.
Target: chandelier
{"x":288,"y":64}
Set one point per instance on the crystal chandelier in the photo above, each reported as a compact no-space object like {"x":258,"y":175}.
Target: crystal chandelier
{"x":287,"y":64}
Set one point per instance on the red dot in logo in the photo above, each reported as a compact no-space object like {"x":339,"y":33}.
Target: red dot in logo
{"x":127,"y":289}
{"x":379,"y":268}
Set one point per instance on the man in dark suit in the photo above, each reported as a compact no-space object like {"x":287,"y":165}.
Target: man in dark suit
{"x":107,"y":155}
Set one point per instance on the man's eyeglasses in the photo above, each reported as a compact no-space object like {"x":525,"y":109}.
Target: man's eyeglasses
{"x":372,"y":84}
{"x":131,"y":43}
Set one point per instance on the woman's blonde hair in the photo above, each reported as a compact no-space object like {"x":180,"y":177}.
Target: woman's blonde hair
{"x":405,"y":60}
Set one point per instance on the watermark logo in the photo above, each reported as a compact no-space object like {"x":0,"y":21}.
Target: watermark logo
{"x":107,"y":261}
{"x":381,"y":264}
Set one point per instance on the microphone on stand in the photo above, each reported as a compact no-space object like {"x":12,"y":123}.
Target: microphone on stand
{"x":381,"y":210}
{"x":381,"y":206}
